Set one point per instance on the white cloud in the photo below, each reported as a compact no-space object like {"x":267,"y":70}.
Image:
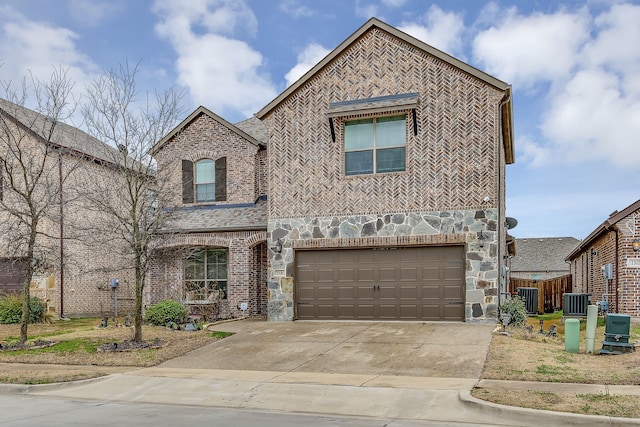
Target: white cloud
{"x":34,"y":47}
{"x":92,"y":12}
{"x":366,"y":11}
{"x":310,"y":56}
{"x":593,"y":119}
{"x":530,"y":152}
{"x":220,"y":71}
{"x":394,"y":3}
{"x":526,"y":50}
{"x":295,"y":9}
{"x":440,"y":29}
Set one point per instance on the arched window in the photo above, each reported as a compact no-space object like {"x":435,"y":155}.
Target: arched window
{"x":205,"y":180}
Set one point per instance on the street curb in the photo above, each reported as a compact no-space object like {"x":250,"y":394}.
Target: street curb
{"x":21,"y":389}
{"x":524,"y":416}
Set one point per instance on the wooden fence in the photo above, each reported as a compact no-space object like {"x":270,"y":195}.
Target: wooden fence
{"x":550,"y":291}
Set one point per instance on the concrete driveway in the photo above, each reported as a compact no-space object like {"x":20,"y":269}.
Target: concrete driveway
{"x":420,"y":349}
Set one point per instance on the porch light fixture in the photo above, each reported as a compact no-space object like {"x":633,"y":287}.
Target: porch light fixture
{"x":481,"y":239}
{"x":278,"y":247}
{"x":636,"y":245}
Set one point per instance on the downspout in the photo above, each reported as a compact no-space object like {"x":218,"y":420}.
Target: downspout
{"x":500,"y":266}
{"x":61,"y":235}
{"x":615,"y":228}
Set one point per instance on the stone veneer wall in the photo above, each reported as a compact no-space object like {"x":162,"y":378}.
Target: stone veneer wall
{"x":463,"y":227}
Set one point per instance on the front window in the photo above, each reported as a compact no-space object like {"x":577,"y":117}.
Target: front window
{"x":375,"y":145}
{"x":205,"y":180}
{"x":205,"y":274}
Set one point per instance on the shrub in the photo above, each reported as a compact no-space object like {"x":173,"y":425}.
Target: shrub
{"x":516,"y":307}
{"x":164,"y":312}
{"x":11,"y":308}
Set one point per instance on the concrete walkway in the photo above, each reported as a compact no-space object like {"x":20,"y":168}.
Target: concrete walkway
{"x":353,"y":369}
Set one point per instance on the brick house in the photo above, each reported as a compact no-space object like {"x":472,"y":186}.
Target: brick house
{"x":387,"y":185}
{"x":615,"y":242}
{"x":74,"y":276}
{"x":215,"y":241}
{"x":542,"y":258}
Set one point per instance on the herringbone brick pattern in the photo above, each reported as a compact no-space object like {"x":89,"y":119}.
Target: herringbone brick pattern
{"x":452,"y":162}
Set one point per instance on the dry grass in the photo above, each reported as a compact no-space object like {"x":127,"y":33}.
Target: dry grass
{"x":527,"y":355}
{"x":76,"y":344}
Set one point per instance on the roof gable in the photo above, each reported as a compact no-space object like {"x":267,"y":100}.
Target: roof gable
{"x":607,"y":225}
{"x":64,"y":135}
{"x":506,"y":107}
{"x":203,"y":110}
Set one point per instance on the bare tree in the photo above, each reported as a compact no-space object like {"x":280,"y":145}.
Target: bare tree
{"x":30,"y":175}
{"x":118,"y":114}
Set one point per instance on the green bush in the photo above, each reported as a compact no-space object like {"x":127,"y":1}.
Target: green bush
{"x":164,"y":312}
{"x":11,"y":308}
{"x":516,"y":307}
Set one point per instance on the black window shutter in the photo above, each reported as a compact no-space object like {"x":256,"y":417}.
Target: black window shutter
{"x":221,"y":179}
{"x":187,"y":181}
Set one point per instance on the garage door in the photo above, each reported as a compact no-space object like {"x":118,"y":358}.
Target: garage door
{"x":12,"y":274}
{"x":424,"y":283}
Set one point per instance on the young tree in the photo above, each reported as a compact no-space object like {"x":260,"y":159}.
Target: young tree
{"x":117,"y":114}
{"x":30,"y":174}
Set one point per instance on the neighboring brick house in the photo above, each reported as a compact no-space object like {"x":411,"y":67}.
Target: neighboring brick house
{"x":215,"y":240}
{"x":615,"y":242}
{"x":387,"y":185}
{"x":74,"y":276}
{"x":542,"y":258}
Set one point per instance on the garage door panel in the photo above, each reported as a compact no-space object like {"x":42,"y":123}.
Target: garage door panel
{"x":365,"y":275}
{"x":407,"y":292}
{"x":408,"y":274}
{"x":430,"y":273}
{"x":392,"y":284}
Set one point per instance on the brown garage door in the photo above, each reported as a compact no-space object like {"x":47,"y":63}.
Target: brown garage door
{"x":12,"y":274}
{"x":424,"y":283}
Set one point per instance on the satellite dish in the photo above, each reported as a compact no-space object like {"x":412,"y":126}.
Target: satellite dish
{"x":511,"y":223}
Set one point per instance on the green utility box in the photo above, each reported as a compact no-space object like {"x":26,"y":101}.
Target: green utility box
{"x":616,"y":334}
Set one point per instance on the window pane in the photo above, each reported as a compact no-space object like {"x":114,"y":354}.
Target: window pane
{"x":391,"y":131}
{"x":391,"y":160}
{"x":358,"y":134}
{"x":205,"y":192}
{"x":205,"y":171}
{"x":359,"y":162}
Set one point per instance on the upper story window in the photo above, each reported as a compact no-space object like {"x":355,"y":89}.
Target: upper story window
{"x":376,"y":145}
{"x":204,"y":180}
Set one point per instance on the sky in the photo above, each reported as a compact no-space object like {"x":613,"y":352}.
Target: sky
{"x":574,"y":67}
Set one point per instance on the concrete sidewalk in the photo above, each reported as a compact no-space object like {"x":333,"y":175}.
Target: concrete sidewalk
{"x":407,"y":371}
{"x":379,"y":396}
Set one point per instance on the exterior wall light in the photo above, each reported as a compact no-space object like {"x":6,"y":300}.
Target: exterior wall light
{"x":278,"y":247}
{"x":481,"y":239}
{"x":636,"y":245}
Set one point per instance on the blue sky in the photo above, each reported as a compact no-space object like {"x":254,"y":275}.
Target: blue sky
{"x":574,"y":67}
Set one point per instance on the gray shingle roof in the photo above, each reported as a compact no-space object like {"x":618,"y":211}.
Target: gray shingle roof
{"x":63,"y":135}
{"x":200,"y":219}
{"x":542,"y":254}
{"x":254,"y":127}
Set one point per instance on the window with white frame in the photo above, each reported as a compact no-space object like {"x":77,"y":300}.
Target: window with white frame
{"x":205,"y":180}
{"x":205,"y":274}
{"x":375,"y":145}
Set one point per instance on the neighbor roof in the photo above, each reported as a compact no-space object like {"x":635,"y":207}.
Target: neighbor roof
{"x":507,"y":109}
{"x":203,"y":110}
{"x":613,"y":219}
{"x":64,"y":135}
{"x":542,"y":254}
